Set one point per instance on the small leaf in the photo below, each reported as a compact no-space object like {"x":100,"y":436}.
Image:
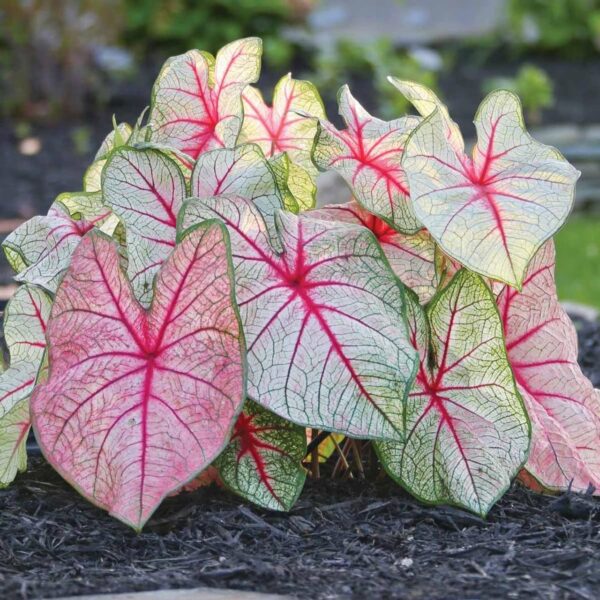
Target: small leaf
{"x":287,"y":126}
{"x":298,"y":188}
{"x":263,"y":460}
{"x":466,"y":430}
{"x":40,"y":249}
{"x":196,"y":100}
{"x":327,"y":342}
{"x":25,"y":320}
{"x":146,"y":189}
{"x":491,"y":213}
{"x":411,"y":257}
{"x":138,"y":403}
{"x":368,"y":154}
{"x":562,"y":403}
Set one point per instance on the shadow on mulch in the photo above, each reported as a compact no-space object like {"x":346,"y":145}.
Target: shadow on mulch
{"x":343,"y":539}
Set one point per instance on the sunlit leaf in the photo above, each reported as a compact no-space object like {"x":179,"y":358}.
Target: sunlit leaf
{"x":368,"y":154}
{"x":25,"y":320}
{"x":327,"y":342}
{"x":196,"y":100}
{"x":263,"y":460}
{"x":466,"y":429}
{"x":297,"y":186}
{"x":492,"y":212}
{"x":562,"y":403}
{"x":410,"y":256}
{"x":138,"y":403}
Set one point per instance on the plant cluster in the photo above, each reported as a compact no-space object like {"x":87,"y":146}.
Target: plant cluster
{"x":191,"y":311}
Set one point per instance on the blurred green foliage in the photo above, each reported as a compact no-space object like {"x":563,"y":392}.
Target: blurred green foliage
{"x":174,"y":26}
{"x":571,"y":27}
{"x":532,"y":85}
{"x":374,"y":62}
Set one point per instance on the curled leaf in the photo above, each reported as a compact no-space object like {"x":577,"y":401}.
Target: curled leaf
{"x":138,"y":403}
{"x":263,"y":460}
{"x":368,"y":155}
{"x":25,"y":321}
{"x":196,"y":100}
{"x":492,"y":212}
{"x":146,"y":189}
{"x":410,"y":256}
{"x":466,"y":429}
{"x":562,"y":403}
{"x":327,"y":343}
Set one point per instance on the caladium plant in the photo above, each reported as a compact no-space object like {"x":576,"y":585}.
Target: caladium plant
{"x":189,"y":314}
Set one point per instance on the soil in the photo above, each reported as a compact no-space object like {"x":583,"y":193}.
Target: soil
{"x":344,"y":539}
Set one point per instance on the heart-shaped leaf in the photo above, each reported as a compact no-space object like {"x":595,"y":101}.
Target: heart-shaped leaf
{"x":466,"y":429}
{"x":410,"y":256}
{"x":562,"y":403}
{"x":146,"y":189}
{"x":138,"y":403}
{"x":40,"y":250}
{"x":196,"y":100}
{"x":491,"y":212}
{"x":263,"y":460}
{"x":368,"y":155}
{"x":25,"y":321}
{"x":327,"y":342}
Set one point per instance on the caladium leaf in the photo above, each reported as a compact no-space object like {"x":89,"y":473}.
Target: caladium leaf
{"x":119,"y":136}
{"x":492,"y":212}
{"x":467,"y":432}
{"x":25,"y":321}
{"x":368,"y":154}
{"x":327,"y":342}
{"x":263,"y":460}
{"x":297,"y":186}
{"x":287,"y":126}
{"x":40,"y":250}
{"x":138,"y":403}
{"x":562,"y":403}
{"x":196,"y":100}
{"x":146,"y":189}
{"x":410,"y":256}
{"x":241,"y":171}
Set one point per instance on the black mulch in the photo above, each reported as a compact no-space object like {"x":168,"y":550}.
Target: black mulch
{"x":343,"y":539}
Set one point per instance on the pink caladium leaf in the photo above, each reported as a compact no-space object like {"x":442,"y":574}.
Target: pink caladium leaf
{"x":411,"y":257}
{"x":368,"y":154}
{"x":196,"y":100}
{"x":324,"y":322}
{"x":562,"y":403}
{"x":145,"y":189}
{"x":40,"y":250}
{"x":25,"y":321}
{"x":263,"y":460}
{"x":493,"y":211}
{"x":138,"y":403}
{"x":466,"y":429}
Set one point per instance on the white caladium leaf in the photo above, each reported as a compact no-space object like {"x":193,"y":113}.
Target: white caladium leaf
{"x":137,"y":403}
{"x":196,"y":100}
{"x":492,"y":212}
{"x":40,"y":250}
{"x":146,"y":189}
{"x":241,"y":171}
{"x":368,"y":154}
{"x":327,"y":342}
{"x":466,"y":429}
{"x":297,"y":186}
{"x":119,"y":136}
{"x":562,"y":403}
{"x":411,"y":256}
{"x":25,"y":321}
{"x":263,"y":460}
{"x":286,"y":126}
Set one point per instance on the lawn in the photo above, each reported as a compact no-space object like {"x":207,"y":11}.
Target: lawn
{"x":578,"y":260}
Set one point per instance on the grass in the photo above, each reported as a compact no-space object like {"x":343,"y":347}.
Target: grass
{"x":578,"y":260}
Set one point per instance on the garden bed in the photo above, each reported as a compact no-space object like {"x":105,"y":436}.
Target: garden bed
{"x":343,"y":539}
